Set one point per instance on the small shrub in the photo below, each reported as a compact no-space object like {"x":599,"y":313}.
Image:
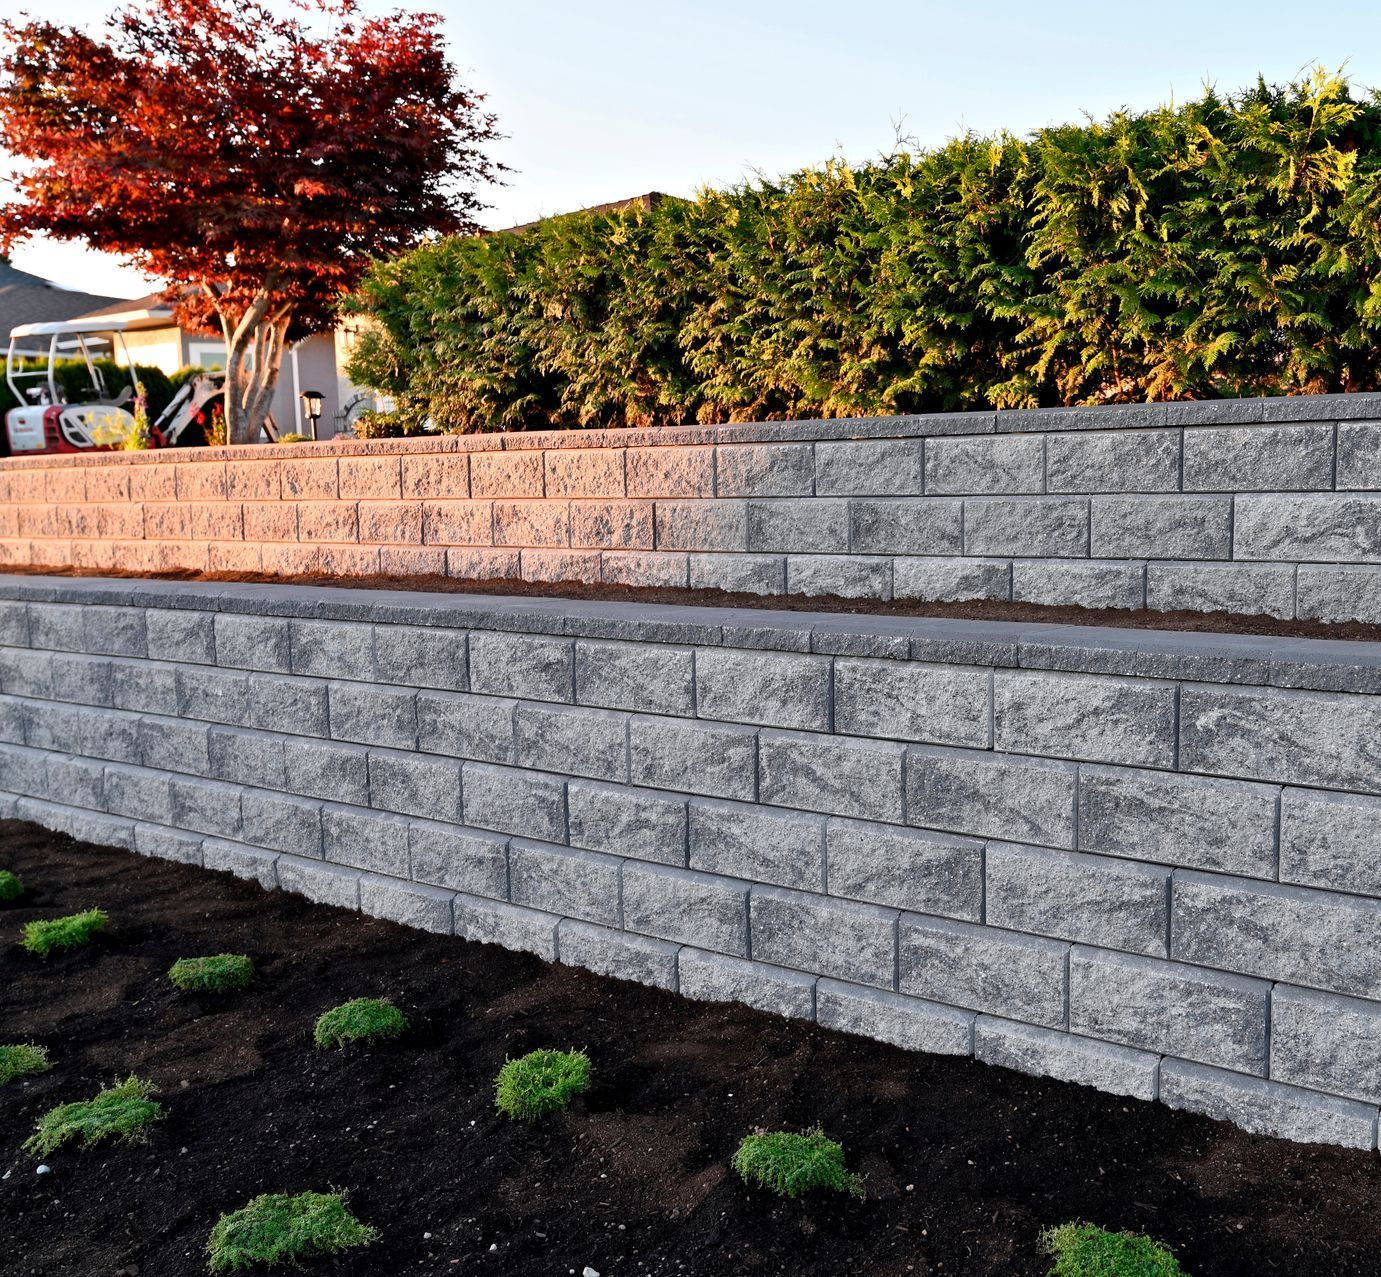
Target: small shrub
{"x":10,"y":887}
{"x":789,"y":1164}
{"x":22,"y":1060}
{"x":541,"y":1082}
{"x":57,"y":935}
{"x":1081,"y":1250}
{"x":217,"y":974}
{"x":363,"y":1020}
{"x":275,"y":1227}
{"x":121,"y":1112}
{"x":293,"y":437}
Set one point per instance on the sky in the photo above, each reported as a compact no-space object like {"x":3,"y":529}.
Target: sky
{"x":610,"y":99}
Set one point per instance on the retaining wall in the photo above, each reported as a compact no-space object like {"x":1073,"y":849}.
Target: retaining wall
{"x":1147,"y":862}
{"x":1259,"y":506}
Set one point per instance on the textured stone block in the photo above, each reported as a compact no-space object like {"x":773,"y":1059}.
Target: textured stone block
{"x":246,"y":757}
{"x":421,"y":656}
{"x":586,"y":742}
{"x":787,"y":848}
{"x":114,"y":631}
{"x":658,"y":471}
{"x":1088,"y":717}
{"x":57,"y":627}
{"x":333,"y":649}
{"x":372,"y":715}
{"x":838,"y":938}
{"x":1035,"y":527}
{"x":1267,"y":1108}
{"x":1259,"y":458}
{"x":287,"y":704}
{"x":325,"y":884}
{"x":78,"y":782}
{"x":324,"y":769}
{"x":617,"y":954}
{"x":648,"y":678}
{"x":411,"y":903}
{"x":1163,"y":1006}
{"x":251,"y":863}
{"x":1359,"y":455}
{"x":697,"y":758}
{"x":1326,"y":1043}
{"x":1113,"y":461}
{"x":765,"y":470}
{"x":12,"y":720}
{"x":83,"y":680}
{"x":775,"y":688}
{"x":25,"y":673}
{"x":436,"y":475}
{"x":281,"y":822}
{"x":1297,"y":737}
{"x":1119,"y":1070}
{"x":638,"y":823}
{"x":925,"y":525}
{"x":507,"y":474}
{"x":848,"y":576}
{"x":184,"y":636}
{"x":474,"y":727}
{"x":819,"y":526}
{"x":713,"y":977}
{"x":1324,"y":528}
{"x":1330,"y":841}
{"x":982,"y":969}
{"x":167,"y":844}
{"x":144,"y":686}
{"x":528,"y":665}
{"x":24,"y":770}
{"x":584,"y":566}
{"x":459,"y":859}
{"x":951,"y":580}
{"x":910,"y":1023}
{"x":515,"y":802}
{"x":253,"y":643}
{"x":584,"y":472}
{"x":484,"y":565}
{"x":174,"y":745}
{"x":925,"y":873}
{"x":1090,"y":899}
{"x":459,"y":523}
{"x":14,"y":624}
{"x":206,"y":806}
{"x":644,"y":567}
{"x":1340,"y":593}
{"x":985,"y":464}
{"x":415,"y":786}
{"x":1198,"y":822}
{"x":739,"y":573}
{"x":1246,"y":588}
{"x":365,"y":840}
{"x":532,"y":523}
{"x":993,"y":796}
{"x":565,"y":881}
{"x":52,"y":726}
{"x":612,"y":525}
{"x":138,"y":792}
{"x":212,"y":695}
{"x":702,"y":525}
{"x":689,"y":908}
{"x":869,"y":467}
{"x":828,"y":774}
{"x":904,"y":700}
{"x":1067,"y":583}
{"x":493,"y":922}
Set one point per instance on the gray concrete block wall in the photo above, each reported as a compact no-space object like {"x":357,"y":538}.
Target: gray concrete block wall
{"x":1144,"y":862}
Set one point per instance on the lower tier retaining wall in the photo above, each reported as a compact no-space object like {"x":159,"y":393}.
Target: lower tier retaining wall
{"x":1146,"y":862}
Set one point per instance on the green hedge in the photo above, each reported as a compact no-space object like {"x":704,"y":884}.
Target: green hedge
{"x":1228,"y":246}
{"x":75,"y":381}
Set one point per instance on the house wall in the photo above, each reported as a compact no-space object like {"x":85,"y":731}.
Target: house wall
{"x":1146,"y":862}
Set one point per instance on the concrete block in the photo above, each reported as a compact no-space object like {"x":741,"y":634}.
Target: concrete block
{"x":905,"y":700}
{"x":1113,"y":461}
{"x":1341,"y":593}
{"x":565,"y":881}
{"x":25,"y":770}
{"x":1161,"y":527}
{"x":659,"y":471}
{"x":174,"y":745}
{"x":1119,"y":1070}
{"x":778,"y":689}
{"x":1314,"y":938}
{"x":585,"y":566}
{"x":281,"y":822}
{"x":212,"y":695}
{"x":985,"y":464}
{"x":993,"y":796}
{"x":515,"y":802}
{"x":1326,"y":1043}
{"x":739,"y":573}
{"x":172,"y":635}
{"x":82,"y":680}
{"x":57,"y":627}
{"x":1259,"y":458}
{"x":26,"y":673}
{"x":1088,"y":717}
{"x":370,"y":478}
{"x":1199,"y":1015}
{"x":685,"y":907}
{"x":319,"y":882}
{"x":1251,"y":589}
{"x":713,"y":977}
{"x":637,"y":823}
{"x":144,"y":686}
{"x":1097,"y":583}
{"x":1359,"y":456}
{"x":49,"y":725}
{"x":459,"y":859}
{"x":848,"y":576}
{"x":410,"y":903}
{"x":702,"y":525}
{"x":839,"y":776}
{"x":528,"y":665}
{"x":324,"y":769}
{"x":167,"y":844}
{"x":111,"y":734}
{"x":286,"y":704}
{"x":1300,"y":738}
{"x":787,"y":848}
{"x":1069,"y":896}
{"x":611,"y":525}
{"x":698,"y":758}
{"x":246,"y":757}
{"x":253,"y":643}
{"x":837,"y":938}
{"x":206,"y":806}
{"x":309,"y":479}
{"x":1035,"y":527}
{"x":951,"y":579}
{"x":765,"y":469}
{"x":648,"y":678}
{"x":1267,"y":1108}
{"x":585,"y":742}
{"x":333,"y":649}
{"x":458,"y":523}
{"x":924,"y":525}
{"x":484,"y":565}
{"x":982,"y":969}
{"x":365,"y":840}
{"x":507,"y":474}
{"x":819,"y":526}
{"x":78,"y":782}
{"x":250,"y":863}
{"x":14,"y":623}
{"x":373,"y":715}
{"x":906,"y":869}
{"x":869,"y":467}
{"x":1227,"y":826}
{"x":421,"y":656}
{"x":415,"y":786}
{"x":474,"y":727}
{"x":1331,"y":841}
{"x":493,"y":922}
{"x":910,"y":1023}
{"x":1323,"y":528}
{"x":617,"y":954}
{"x":584,"y":472}
{"x":644,"y":567}
{"x":12,"y":720}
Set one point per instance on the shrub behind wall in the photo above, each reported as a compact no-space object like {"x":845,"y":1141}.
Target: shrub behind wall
{"x":1229,"y":246}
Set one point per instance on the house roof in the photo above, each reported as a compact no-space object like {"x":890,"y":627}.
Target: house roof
{"x":30,"y":299}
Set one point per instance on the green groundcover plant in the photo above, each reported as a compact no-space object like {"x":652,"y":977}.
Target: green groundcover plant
{"x":275,"y":1228}
{"x":789,"y":1164}
{"x":364,"y":1020}
{"x":1081,"y":1250}
{"x":218,"y":973}
{"x":120,"y":1112}
{"x":541,"y":1082}
{"x":22,"y":1060}
{"x":57,"y":935}
{"x":10,"y":887}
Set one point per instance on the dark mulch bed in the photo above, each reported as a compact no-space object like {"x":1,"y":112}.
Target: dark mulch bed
{"x":973,"y":610}
{"x":964,"y":1164}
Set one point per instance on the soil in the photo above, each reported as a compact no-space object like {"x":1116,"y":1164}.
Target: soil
{"x":964,"y":1164}
{"x":971,"y":610}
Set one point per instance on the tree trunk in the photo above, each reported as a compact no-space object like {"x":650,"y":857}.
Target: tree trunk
{"x":255,"y":342}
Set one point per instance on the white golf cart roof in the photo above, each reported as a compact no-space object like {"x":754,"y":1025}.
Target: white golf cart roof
{"x":130,"y":321}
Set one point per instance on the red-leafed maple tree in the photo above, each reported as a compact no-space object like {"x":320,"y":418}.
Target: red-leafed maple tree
{"x":255,"y":161}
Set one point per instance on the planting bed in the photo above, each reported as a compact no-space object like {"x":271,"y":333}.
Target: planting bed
{"x":963,"y":1164}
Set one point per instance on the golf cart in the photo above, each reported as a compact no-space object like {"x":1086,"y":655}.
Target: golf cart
{"x":46,"y":420}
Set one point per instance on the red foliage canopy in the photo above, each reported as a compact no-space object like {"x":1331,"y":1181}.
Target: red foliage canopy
{"x":255,"y":161}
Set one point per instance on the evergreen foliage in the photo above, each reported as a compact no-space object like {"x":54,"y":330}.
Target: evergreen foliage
{"x":275,"y":1228}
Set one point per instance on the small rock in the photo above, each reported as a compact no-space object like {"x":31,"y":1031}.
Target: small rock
{"x":589,"y":1272}
{"x":426,"y":1237}
{"x":493,"y":1247}
{"x":43,"y":1170}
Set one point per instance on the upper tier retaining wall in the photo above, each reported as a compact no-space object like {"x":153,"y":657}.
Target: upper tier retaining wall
{"x":1258,"y":506}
